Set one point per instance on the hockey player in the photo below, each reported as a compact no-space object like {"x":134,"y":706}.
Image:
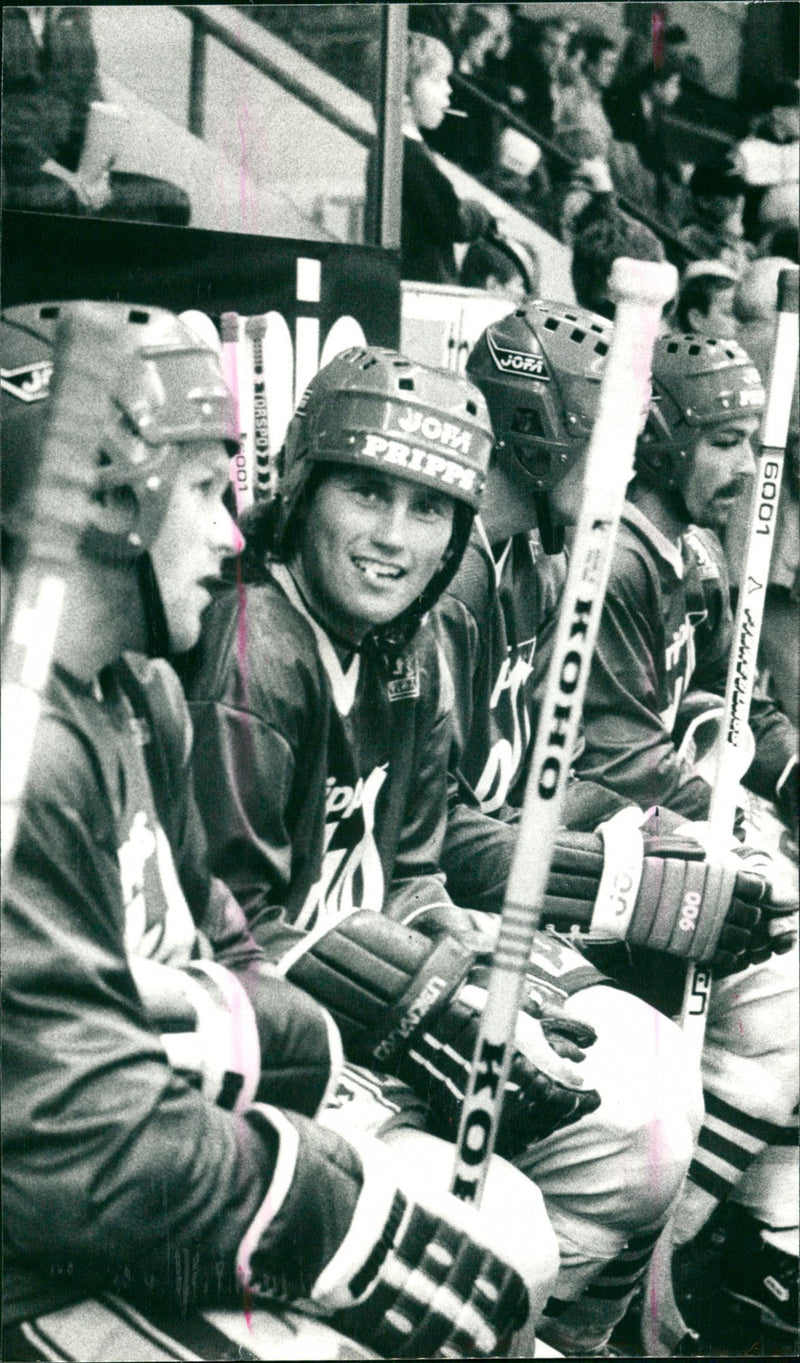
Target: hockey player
{"x":666,"y":631}
{"x":322,"y":739}
{"x":540,"y":372}
{"x":159,"y":1086}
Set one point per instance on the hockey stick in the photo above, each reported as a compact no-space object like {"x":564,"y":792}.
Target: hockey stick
{"x":85,"y":363}
{"x":749,"y":609}
{"x":641,"y":289}
{"x":663,"y":1327}
{"x":256,"y":331}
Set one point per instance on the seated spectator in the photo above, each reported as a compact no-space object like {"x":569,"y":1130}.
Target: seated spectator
{"x":534,"y":67}
{"x":602,"y":234}
{"x":469,"y":141}
{"x":652,"y":95}
{"x":706,"y":300}
{"x":49,"y":83}
{"x":767,"y":161}
{"x":433,"y":217}
{"x":501,"y":266}
{"x":713,"y":227}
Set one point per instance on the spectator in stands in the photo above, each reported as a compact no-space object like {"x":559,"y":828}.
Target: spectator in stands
{"x":706,"y":300}
{"x":534,"y":67}
{"x":470,"y":141}
{"x":433,"y":217}
{"x":767,"y":161}
{"x":713,"y":227}
{"x":602,"y":233}
{"x":50,"y":80}
{"x":499,"y":265}
{"x":652,"y":95}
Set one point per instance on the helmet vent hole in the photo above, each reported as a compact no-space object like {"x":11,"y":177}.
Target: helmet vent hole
{"x":578,"y":335}
{"x":597,"y":327}
{"x":141,"y":318}
{"x":601,"y":347}
{"x":406,"y":384}
{"x":369,"y":362}
{"x":694,"y":349}
{"x":552,"y":323}
{"x":472,"y":407}
{"x":672,"y":347}
{"x":48,"y":313}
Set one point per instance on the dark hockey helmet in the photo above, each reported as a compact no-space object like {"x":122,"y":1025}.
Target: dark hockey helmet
{"x":698,"y":382}
{"x":373,"y":408}
{"x":540,"y":370}
{"x":169,"y":392}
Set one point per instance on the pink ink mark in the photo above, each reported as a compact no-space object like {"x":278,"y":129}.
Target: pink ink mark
{"x":657,"y":25}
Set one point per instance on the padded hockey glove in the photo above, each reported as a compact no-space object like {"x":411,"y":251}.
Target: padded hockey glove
{"x":411,"y":1008}
{"x":396,"y":1272}
{"x":665,"y":893}
{"x":240,"y":1038}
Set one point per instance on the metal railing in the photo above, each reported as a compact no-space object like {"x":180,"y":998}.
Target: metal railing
{"x":675,"y":248}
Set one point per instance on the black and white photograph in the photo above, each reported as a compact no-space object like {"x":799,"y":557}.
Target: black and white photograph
{"x":400,"y":681}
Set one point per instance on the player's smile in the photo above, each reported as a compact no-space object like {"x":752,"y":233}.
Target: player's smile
{"x":371,"y":544}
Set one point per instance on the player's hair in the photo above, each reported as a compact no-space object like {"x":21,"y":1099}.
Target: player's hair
{"x":699,"y":293}
{"x":602,"y":234}
{"x":503,"y":260}
{"x":592,"y":42}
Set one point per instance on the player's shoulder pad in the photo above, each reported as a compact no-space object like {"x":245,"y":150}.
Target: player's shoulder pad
{"x":473,"y":582}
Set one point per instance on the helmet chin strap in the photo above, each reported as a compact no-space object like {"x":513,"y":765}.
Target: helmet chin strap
{"x":155,"y":620}
{"x":551,"y":535}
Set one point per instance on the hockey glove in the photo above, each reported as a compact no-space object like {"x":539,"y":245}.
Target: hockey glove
{"x":394,"y":1271}
{"x":412,"y":1008}
{"x":243,"y":1037}
{"x":665,"y":893}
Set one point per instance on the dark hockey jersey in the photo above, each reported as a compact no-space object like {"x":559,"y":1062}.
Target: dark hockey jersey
{"x":490,"y":621}
{"x":323,"y":788}
{"x":666,"y":627}
{"x":113,"y":1165}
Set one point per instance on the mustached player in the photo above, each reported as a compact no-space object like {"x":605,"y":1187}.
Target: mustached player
{"x":540,"y":371}
{"x":161,"y":1156}
{"x":662,"y":658}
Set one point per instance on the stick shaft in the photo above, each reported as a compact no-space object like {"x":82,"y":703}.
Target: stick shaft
{"x":623,"y":399}
{"x":749,"y":615}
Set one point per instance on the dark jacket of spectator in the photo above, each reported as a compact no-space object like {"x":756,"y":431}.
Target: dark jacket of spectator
{"x":433,"y":218}
{"x":48,"y":88}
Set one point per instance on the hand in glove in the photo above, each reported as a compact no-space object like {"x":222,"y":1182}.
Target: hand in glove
{"x":339,"y":1233}
{"x":412,"y":1009}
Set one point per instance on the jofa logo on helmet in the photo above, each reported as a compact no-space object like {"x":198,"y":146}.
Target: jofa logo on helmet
{"x":30,"y":383}
{"x":528,"y":363}
{"x":444,"y":433}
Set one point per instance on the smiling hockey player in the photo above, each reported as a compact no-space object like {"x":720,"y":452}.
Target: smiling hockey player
{"x":148,"y":1172}
{"x":540,"y":371}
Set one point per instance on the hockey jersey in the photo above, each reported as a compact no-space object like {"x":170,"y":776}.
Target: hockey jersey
{"x":114,"y":1166}
{"x":666,"y":627}
{"x":323,"y":785}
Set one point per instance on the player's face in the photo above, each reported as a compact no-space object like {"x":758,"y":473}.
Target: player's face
{"x":430,"y":93}
{"x":565,"y":497}
{"x":720,"y":320}
{"x":194,"y":537}
{"x":722,"y":461}
{"x":370,"y":544}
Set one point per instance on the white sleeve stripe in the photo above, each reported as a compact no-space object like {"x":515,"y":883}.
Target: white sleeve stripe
{"x":283,"y":1175}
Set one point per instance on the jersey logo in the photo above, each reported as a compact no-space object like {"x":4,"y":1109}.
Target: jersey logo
{"x":528,"y":363}
{"x":351,"y":876}
{"x":30,"y":383}
{"x":509,"y":707}
{"x":405,"y":683}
